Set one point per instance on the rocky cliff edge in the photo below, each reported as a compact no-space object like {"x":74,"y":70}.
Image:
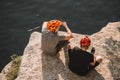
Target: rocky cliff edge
{"x":36,"y":65}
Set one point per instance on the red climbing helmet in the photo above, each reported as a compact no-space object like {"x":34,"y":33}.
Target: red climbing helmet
{"x":53,"y":25}
{"x":85,"y":42}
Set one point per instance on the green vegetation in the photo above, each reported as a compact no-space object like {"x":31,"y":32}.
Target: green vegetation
{"x":13,"y":71}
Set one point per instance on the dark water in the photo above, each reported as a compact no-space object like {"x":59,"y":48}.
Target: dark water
{"x":18,"y":16}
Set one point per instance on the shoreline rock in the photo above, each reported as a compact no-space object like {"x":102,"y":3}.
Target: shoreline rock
{"x":35,"y":65}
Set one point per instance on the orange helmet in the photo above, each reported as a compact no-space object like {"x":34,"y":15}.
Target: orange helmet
{"x":53,"y":25}
{"x":85,"y":42}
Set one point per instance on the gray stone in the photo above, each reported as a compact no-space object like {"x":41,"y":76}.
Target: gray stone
{"x":36,"y":65}
{"x":2,"y":76}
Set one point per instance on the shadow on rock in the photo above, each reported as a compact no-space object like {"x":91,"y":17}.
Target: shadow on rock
{"x":113,"y":52}
{"x":52,"y":67}
{"x":94,"y":75}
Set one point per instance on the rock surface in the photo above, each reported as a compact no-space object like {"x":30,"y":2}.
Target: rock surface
{"x":2,"y":76}
{"x":5,"y":71}
{"x":36,"y":65}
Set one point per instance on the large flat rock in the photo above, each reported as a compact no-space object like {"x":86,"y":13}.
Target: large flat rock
{"x":36,"y":65}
